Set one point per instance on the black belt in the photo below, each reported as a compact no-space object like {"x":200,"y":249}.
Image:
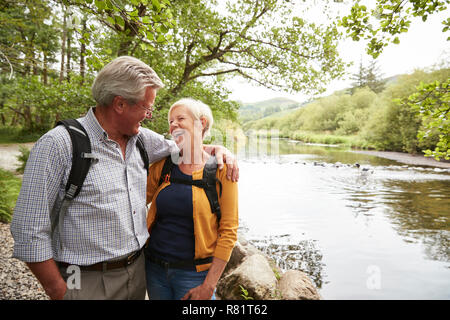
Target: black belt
{"x":107,"y":265}
{"x":178,"y":264}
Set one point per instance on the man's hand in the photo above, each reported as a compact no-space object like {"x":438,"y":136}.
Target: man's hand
{"x":48,"y":275}
{"x":223,"y":155}
{"x":202,"y":292}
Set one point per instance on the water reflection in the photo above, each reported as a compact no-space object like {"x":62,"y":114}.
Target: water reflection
{"x":313,"y":209}
{"x":421,"y":211}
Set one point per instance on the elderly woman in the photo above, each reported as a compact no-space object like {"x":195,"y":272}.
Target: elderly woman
{"x":191,"y":239}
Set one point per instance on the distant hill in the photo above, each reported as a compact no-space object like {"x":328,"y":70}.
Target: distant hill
{"x":261,"y":109}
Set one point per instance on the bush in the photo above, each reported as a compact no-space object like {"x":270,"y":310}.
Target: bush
{"x":9,"y":191}
{"x":23,"y":158}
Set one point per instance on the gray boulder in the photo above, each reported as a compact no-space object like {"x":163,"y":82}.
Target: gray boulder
{"x":255,"y":275}
{"x":296,"y":285}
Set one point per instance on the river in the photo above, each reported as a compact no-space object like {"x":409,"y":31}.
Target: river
{"x":377,"y":230}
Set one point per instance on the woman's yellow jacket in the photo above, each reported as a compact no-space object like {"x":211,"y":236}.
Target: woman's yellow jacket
{"x":210,"y":239}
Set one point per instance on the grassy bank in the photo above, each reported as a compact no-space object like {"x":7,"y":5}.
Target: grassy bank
{"x":9,"y":191}
{"x":17,"y":135}
{"x":354,"y":142}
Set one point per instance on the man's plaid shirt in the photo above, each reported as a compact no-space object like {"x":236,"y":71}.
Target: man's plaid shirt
{"x":106,"y":220}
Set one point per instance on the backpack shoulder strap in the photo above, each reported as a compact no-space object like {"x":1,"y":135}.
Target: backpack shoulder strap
{"x":81,"y":156}
{"x":207,"y":183}
{"x":210,"y":181}
{"x":143,"y":152}
{"x":81,"y":162}
{"x":166,"y":170}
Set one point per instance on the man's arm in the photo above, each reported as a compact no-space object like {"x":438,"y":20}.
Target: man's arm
{"x":158,"y":148}
{"x":47,"y":273}
{"x":223,"y":155}
{"x":30,"y":226}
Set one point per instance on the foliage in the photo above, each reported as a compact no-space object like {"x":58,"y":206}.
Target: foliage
{"x":369,"y":77}
{"x":431,"y":101}
{"x":193,"y":45}
{"x":136,"y":23}
{"x":23,"y":158}
{"x":254,"y":111}
{"x":10,"y":135}
{"x":36,"y":107}
{"x":9,"y":191}
{"x":27,"y":41}
{"x":245,"y":294}
{"x":247,"y":39}
{"x":382,"y":25}
{"x":394,"y":17}
{"x":366,"y":119}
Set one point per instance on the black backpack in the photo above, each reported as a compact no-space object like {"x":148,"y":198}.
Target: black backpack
{"x":81,"y":161}
{"x":208,"y":183}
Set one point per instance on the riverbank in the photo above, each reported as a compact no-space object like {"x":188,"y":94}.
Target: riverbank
{"x":411,"y":159}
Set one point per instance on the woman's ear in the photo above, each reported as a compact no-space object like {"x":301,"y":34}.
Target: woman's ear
{"x":204,"y":122}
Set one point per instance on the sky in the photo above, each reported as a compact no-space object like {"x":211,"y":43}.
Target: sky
{"x":423,"y":46}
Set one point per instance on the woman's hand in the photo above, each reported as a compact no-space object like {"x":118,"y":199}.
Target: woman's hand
{"x":202,"y":292}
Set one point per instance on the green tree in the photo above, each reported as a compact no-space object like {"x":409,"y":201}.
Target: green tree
{"x":381,"y":25}
{"x":369,"y":76}
{"x":431,"y":101}
{"x":261,"y":41}
{"x":28,"y":38}
{"x":136,"y":24}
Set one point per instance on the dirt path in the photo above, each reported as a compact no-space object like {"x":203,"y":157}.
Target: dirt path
{"x":9,"y":153}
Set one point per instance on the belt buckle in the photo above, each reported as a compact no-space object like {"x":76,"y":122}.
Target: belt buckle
{"x":130,"y":258}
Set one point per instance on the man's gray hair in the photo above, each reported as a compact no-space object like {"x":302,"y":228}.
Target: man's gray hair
{"x":127,"y":77}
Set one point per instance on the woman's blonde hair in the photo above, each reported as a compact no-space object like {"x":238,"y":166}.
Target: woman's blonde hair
{"x":198,"y":110}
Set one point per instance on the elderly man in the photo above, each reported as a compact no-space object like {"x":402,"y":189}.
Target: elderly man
{"x":104,"y":229}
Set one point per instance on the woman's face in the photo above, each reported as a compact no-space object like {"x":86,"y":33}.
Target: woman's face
{"x":184,"y":128}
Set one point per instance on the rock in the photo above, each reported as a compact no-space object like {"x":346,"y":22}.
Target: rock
{"x":238,"y":254}
{"x":16,"y":280}
{"x":295,"y":285}
{"x":255,"y":275}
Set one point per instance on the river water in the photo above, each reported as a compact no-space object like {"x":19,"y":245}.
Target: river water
{"x":377,"y":231}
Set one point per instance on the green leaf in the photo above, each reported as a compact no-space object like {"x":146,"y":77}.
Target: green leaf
{"x":156,"y":5}
{"x":120,"y":21}
{"x":100,"y":4}
{"x":160,"y":38}
{"x":110,"y":20}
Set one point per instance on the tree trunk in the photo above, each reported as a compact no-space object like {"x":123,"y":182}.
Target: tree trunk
{"x":44,"y":70}
{"x":69,"y":38}
{"x":63,"y":47}
{"x":82,"y":53}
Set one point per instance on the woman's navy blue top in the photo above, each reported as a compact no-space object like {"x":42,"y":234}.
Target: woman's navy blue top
{"x":172,"y":237}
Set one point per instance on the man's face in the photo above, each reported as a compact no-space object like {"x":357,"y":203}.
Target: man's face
{"x":135,"y":114}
